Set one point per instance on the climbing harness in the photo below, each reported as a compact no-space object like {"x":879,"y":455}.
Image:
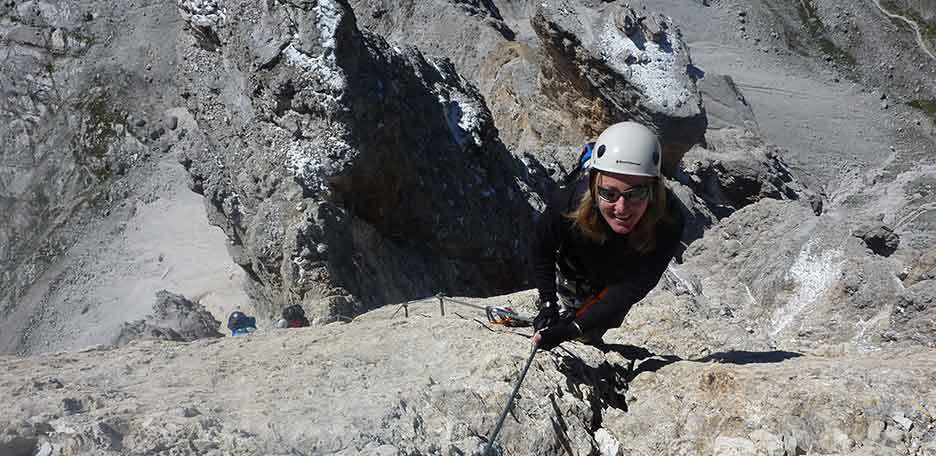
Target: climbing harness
{"x":500,"y":421}
{"x":588,"y":301}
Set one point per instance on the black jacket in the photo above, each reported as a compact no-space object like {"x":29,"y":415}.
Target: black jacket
{"x":628,"y":274}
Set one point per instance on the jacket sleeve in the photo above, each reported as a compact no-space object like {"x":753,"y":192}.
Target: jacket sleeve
{"x":609,"y":312}
{"x":543,"y":250}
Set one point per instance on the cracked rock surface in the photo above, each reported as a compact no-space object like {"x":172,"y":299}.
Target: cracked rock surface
{"x":356,"y":154}
{"x":385,"y":384}
{"x":379,"y":386}
{"x":348,"y":173}
{"x":96,"y":213}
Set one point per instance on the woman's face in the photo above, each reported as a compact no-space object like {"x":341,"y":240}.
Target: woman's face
{"x":623,"y":199}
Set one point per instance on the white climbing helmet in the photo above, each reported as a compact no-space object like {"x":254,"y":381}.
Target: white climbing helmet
{"x":627,"y":148}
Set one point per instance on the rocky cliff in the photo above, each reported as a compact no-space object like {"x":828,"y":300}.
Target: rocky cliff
{"x":97,"y":216}
{"x":359,"y":154}
{"x":345,"y":171}
{"x":357,"y":173}
{"x":387,"y":385}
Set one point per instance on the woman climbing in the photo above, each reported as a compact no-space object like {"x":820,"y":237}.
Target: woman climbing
{"x":605,"y":240}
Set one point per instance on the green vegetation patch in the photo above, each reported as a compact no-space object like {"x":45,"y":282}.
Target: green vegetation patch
{"x":809,"y":18}
{"x":924,"y":187}
{"x":98,"y":119}
{"x":927,"y":28}
{"x":838,"y":54}
{"x":817,"y":31}
{"x":97,"y":132}
{"x":927,"y":106}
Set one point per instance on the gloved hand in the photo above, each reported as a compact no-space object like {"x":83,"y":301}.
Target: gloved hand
{"x":547,"y":316}
{"x":552,"y":336}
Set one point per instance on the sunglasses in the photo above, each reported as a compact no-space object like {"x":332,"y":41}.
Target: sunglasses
{"x":634,"y":194}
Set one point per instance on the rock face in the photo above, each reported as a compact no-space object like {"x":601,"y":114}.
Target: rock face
{"x":344,"y":171}
{"x":361,"y":394}
{"x":737,"y":169}
{"x":96,"y":214}
{"x":554,"y":74}
{"x":803,"y":405}
{"x":359,"y":174}
{"x":912,"y":318}
{"x":359,"y":388}
{"x":879,"y":238}
{"x":64,"y":141}
{"x":641,"y":71}
{"x":725,"y":105}
{"x":174,"y":318}
{"x":774,"y":275}
{"x":924,"y":268}
{"x":348,"y":171}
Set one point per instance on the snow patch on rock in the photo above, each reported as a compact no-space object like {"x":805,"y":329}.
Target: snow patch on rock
{"x":464,"y":118}
{"x":308,"y":163}
{"x":203,"y":13}
{"x":607,"y":444}
{"x":304,"y":163}
{"x":329,"y":14}
{"x":814,"y":273}
{"x":654,"y":69}
{"x":322,"y":65}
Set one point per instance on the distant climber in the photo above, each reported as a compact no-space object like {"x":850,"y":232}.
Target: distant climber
{"x":293,"y":317}
{"x":240,"y":324}
{"x":605,"y":239}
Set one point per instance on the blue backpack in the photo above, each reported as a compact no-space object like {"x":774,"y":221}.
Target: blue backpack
{"x":581,"y":168}
{"x":239,"y":323}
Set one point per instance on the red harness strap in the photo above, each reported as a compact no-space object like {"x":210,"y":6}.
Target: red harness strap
{"x":590,"y":300}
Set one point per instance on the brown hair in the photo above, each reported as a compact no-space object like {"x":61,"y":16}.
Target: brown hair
{"x":642,"y":238}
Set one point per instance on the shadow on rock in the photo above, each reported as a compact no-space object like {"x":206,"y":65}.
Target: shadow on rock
{"x":608,"y":382}
{"x":748,"y":357}
{"x":643,"y":360}
{"x":602,"y":386}
{"x":559,"y":426}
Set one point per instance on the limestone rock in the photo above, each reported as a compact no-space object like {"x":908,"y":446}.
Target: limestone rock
{"x":698,"y":214}
{"x":725,"y":105}
{"x":205,"y":17}
{"x":366,"y":174}
{"x":880,"y":238}
{"x":923,"y":268}
{"x":738,"y":169}
{"x":203,"y":13}
{"x":781,"y":277}
{"x":549,"y":81}
{"x":735,"y":169}
{"x":347,"y":388}
{"x":825,"y":406}
{"x":364,"y":390}
{"x":643,"y":76}
{"x":913,"y":316}
{"x":72,"y":164}
{"x":607,"y":444}
{"x":174,"y":318}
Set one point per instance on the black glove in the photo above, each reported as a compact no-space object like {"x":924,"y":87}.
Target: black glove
{"x":552,"y":336}
{"x":547,"y":316}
